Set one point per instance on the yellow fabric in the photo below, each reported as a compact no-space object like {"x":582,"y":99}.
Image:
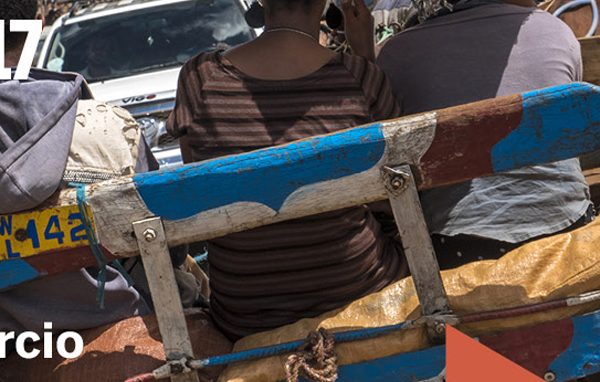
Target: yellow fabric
{"x":555,"y":267}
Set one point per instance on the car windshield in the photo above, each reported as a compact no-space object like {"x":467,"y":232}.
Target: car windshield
{"x":132,"y":42}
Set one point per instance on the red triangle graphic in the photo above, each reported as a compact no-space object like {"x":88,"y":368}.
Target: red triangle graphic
{"x":469,"y":361}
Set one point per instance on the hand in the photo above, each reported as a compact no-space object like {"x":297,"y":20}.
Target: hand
{"x":359,"y":28}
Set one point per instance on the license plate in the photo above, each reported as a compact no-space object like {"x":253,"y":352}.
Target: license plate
{"x":31,"y":233}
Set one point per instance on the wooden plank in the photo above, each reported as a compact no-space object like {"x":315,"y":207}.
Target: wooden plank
{"x":418,"y":248}
{"x":590,"y":52}
{"x":230,"y":194}
{"x":582,"y":357}
{"x":590,"y":161}
{"x":592,"y":176}
{"x":165,"y":294}
{"x":568,"y":348}
{"x":410,"y":367}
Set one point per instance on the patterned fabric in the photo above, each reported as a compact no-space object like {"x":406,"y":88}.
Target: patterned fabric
{"x":223,"y":111}
{"x":274,"y":275}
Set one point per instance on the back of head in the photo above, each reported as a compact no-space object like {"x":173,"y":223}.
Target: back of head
{"x":16,"y":10}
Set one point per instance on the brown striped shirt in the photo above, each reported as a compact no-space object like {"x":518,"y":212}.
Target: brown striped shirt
{"x":277,"y":274}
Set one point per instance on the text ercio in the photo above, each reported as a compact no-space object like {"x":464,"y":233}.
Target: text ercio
{"x":69,"y":345}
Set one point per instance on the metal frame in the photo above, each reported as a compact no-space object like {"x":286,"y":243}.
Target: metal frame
{"x":418,"y":248}
{"x":151,"y":238}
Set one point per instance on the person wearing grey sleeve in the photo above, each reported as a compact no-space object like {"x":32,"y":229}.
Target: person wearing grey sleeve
{"x":485,"y":49}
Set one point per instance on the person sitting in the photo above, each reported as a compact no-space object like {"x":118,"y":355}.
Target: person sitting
{"x":99,"y":58}
{"x":278,"y":88}
{"x":485,"y":49}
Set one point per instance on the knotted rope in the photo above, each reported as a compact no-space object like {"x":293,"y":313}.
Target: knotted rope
{"x":316,"y":359}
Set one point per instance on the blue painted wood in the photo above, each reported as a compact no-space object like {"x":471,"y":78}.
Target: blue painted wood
{"x":582,"y":358}
{"x":16,"y":271}
{"x":409,"y":367}
{"x":557,"y":123}
{"x":266,"y":176}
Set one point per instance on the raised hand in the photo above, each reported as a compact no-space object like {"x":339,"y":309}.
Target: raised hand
{"x":359,"y":28}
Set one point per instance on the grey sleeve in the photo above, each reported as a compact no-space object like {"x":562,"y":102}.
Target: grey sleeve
{"x":578,"y":66}
{"x":573,"y":54}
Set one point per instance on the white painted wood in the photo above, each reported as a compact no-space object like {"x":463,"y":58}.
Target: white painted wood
{"x":408,"y":139}
{"x":115,"y":204}
{"x":115,"y":233}
{"x":165,"y":295}
{"x":411,"y":135}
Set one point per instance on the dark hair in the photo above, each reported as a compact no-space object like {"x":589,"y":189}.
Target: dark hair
{"x":14,"y":10}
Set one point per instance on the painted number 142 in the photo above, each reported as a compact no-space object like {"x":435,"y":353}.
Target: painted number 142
{"x":33,"y":28}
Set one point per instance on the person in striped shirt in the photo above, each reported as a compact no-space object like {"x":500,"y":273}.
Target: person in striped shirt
{"x":278,"y":88}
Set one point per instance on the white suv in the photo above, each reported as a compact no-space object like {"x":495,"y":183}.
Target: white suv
{"x":131,"y":52}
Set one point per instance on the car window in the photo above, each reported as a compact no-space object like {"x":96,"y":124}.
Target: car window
{"x":139,"y":41}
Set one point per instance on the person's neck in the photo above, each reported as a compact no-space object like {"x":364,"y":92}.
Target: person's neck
{"x":294,"y":22}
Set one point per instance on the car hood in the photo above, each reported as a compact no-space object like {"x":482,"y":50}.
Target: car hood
{"x":138,"y":89}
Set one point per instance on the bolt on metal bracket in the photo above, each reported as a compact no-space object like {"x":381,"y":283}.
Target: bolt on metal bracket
{"x":396,"y":179}
{"x":149,"y":234}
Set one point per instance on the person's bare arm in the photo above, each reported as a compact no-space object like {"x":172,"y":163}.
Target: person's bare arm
{"x":358,"y":24}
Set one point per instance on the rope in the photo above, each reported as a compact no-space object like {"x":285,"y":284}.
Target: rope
{"x":364,"y":334}
{"x":316,"y":359}
{"x":95,"y":246}
{"x":290,"y":347}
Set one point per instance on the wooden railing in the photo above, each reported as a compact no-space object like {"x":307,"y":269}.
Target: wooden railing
{"x":150,"y":212}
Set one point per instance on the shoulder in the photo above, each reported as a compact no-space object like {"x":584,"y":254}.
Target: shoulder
{"x":200,"y":64}
{"x":536,"y":23}
{"x":374,"y":86}
{"x":552,"y":32}
{"x":546,"y":22}
{"x":361,"y":69}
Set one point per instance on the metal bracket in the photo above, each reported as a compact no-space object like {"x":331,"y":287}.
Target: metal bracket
{"x":418,"y":248}
{"x":152,"y":241}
